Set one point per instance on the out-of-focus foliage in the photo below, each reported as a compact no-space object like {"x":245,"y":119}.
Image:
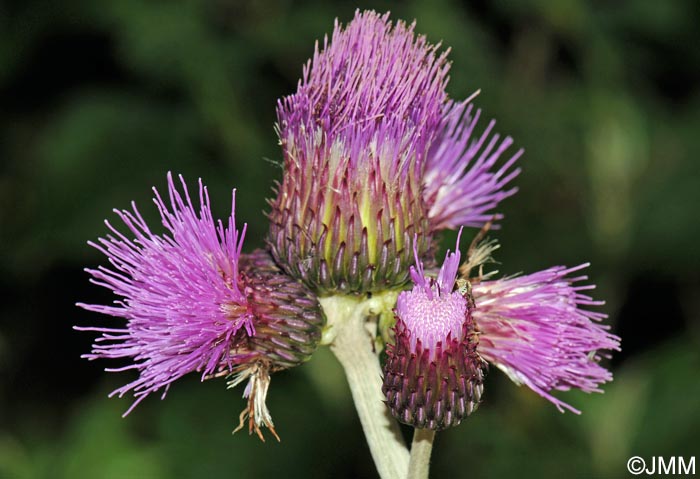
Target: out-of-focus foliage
{"x":98,"y":100}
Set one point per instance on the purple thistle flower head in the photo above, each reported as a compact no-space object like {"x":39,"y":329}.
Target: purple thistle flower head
{"x":377,"y":159}
{"x":180,"y":292}
{"x":194,"y":303}
{"x":433,"y":376}
{"x":536,"y":328}
{"x":460,"y":187}
{"x":354,"y":138}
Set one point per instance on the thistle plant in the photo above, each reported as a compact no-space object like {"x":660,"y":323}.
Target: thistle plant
{"x":378,"y":160}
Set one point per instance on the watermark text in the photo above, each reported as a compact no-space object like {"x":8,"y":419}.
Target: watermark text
{"x":662,"y":465}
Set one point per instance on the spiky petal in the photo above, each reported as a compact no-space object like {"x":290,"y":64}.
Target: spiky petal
{"x":538,"y":330}
{"x":354,"y":139}
{"x":179,"y":293}
{"x":462,"y":184}
{"x":433,"y":376}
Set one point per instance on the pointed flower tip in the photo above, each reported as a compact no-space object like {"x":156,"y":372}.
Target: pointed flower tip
{"x":450,"y":266}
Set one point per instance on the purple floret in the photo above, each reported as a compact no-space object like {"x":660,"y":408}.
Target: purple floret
{"x":462,"y":186}
{"x":373,"y":81}
{"x":432,"y":310}
{"x":536,"y":328}
{"x":179,"y":291}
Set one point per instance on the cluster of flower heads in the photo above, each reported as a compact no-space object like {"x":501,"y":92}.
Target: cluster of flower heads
{"x":377,"y":161}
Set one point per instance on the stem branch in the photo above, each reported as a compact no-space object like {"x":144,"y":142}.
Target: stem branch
{"x":353,"y":345}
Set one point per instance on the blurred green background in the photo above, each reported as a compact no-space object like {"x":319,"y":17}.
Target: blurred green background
{"x":98,"y":100}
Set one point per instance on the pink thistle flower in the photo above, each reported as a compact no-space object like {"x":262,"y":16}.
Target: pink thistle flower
{"x":354,"y":138}
{"x":433,"y":376}
{"x":460,"y":187}
{"x":194,"y":303}
{"x":376,"y":160}
{"x":538,"y":330}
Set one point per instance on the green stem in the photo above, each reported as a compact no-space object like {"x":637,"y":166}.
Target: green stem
{"x":419,"y":465}
{"x":353,"y":345}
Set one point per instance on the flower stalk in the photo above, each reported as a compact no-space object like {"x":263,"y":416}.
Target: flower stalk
{"x":422,"y":446}
{"x":353,"y":332}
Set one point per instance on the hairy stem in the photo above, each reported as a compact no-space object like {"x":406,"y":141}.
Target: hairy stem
{"x":422,"y":446}
{"x":353,"y":344}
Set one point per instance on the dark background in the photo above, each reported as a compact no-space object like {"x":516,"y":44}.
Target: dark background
{"x":98,"y":100}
